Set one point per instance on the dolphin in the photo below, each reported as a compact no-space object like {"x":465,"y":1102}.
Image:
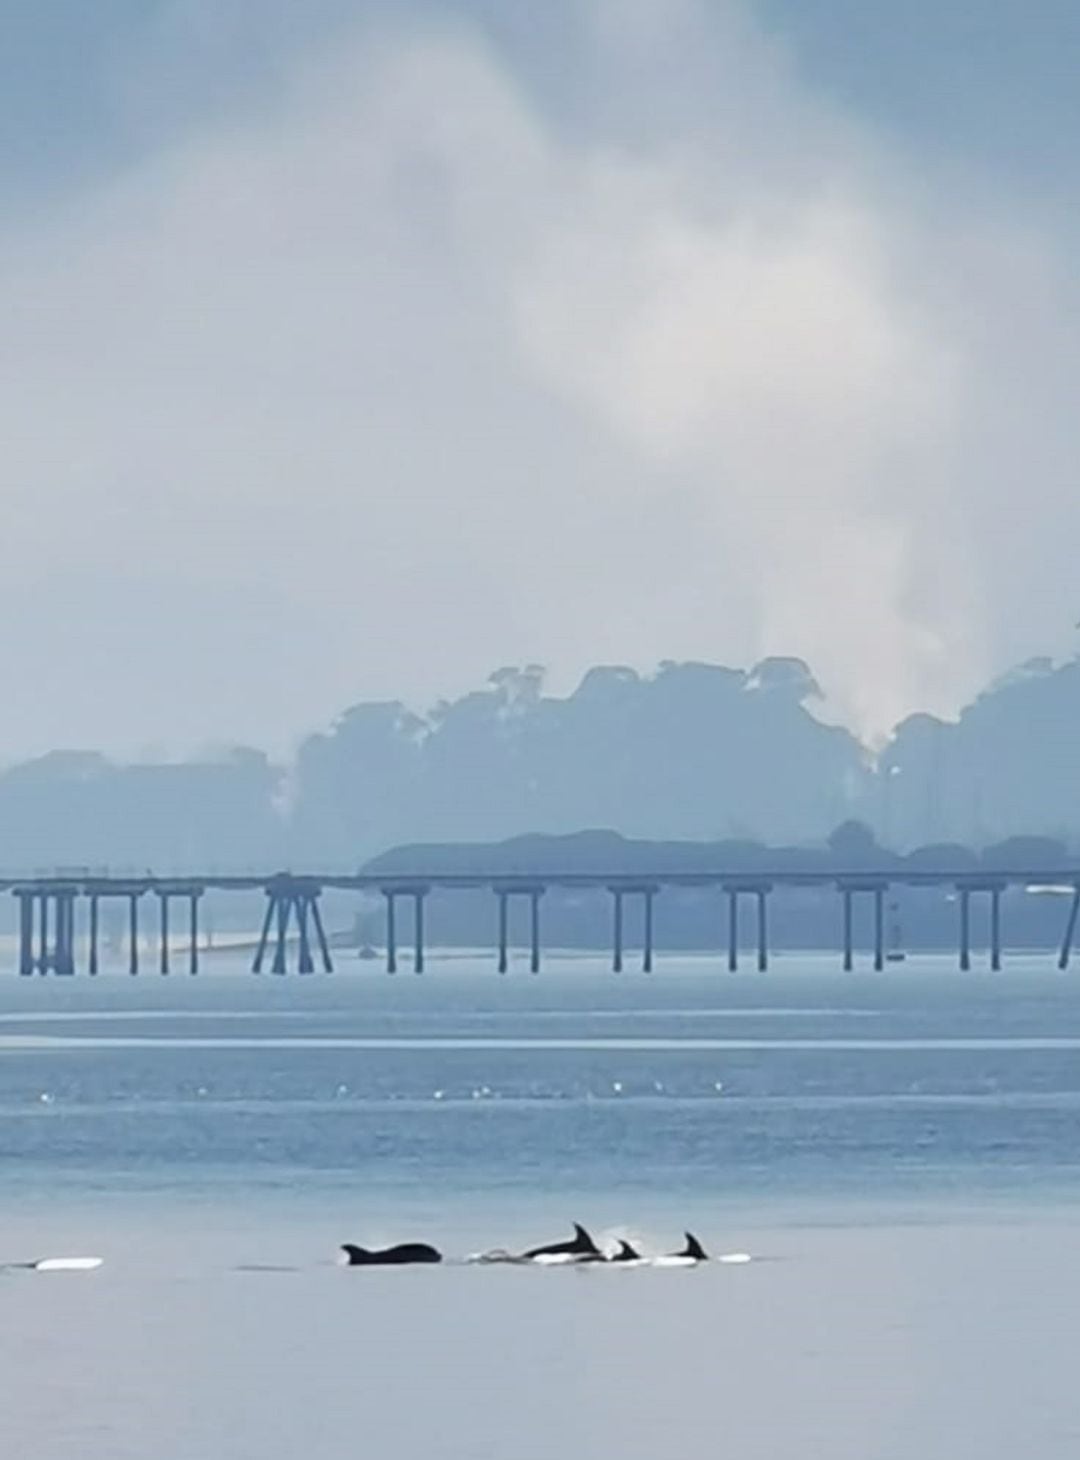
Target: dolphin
{"x":690,"y":1256}
{"x":56,"y":1264}
{"x":693,"y":1249}
{"x":626,"y":1253}
{"x":581,"y":1248}
{"x":404,"y":1252}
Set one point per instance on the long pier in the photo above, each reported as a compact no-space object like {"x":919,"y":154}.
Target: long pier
{"x":293,"y":932}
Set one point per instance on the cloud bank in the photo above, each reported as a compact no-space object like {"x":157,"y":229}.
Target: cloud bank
{"x":402,"y":374}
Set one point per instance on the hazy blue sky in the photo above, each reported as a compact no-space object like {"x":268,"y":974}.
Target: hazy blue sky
{"x":352,"y":349}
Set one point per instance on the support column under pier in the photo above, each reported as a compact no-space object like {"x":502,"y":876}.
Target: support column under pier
{"x":648,"y":894}
{"x":306,"y":962}
{"x":133,"y":933}
{"x":26,"y":932}
{"x":877,"y":889}
{"x":264,"y":935}
{"x":534,"y":892}
{"x":418,"y":931}
{"x":391,"y":930}
{"x":64,"y":960}
{"x":534,"y":929}
{"x":761,"y":893}
{"x":46,"y":929}
{"x":93,"y":949}
{"x":42,"y":963}
{"x":762,"y":930}
{"x":504,"y":931}
{"x":320,"y":933}
{"x":193,"y":933}
{"x":289,"y":898}
{"x":619,"y":893}
{"x":283,"y":904}
{"x":965,"y":892}
{"x":163,"y":933}
{"x":1070,"y":932}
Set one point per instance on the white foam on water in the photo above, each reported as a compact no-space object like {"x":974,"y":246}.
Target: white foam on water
{"x":47,"y":1042}
{"x":67,"y":1264}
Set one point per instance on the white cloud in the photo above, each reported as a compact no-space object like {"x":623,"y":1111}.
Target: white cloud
{"x":398,"y":380}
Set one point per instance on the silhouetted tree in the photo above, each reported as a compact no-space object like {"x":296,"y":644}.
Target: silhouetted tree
{"x":730,"y":759}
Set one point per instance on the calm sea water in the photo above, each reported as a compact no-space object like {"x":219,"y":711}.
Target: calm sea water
{"x":901,"y":1153}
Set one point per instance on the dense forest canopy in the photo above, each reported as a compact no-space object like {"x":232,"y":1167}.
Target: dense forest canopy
{"x":690,"y":752}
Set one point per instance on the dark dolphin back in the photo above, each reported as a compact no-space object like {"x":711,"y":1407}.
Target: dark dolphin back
{"x":626,"y":1253}
{"x":414,"y":1252}
{"x":399,"y":1256}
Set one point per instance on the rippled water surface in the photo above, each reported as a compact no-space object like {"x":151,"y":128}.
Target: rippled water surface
{"x":901,"y":1152}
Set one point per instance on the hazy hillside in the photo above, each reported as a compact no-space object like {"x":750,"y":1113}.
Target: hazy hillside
{"x":692,"y":752}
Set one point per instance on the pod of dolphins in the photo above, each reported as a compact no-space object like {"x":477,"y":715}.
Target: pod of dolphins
{"x":579,"y":1249}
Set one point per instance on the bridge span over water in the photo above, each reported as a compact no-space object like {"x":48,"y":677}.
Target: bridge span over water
{"x":51,"y":907}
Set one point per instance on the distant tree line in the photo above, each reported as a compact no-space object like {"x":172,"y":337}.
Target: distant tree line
{"x":850,"y":848}
{"x":692,"y":752}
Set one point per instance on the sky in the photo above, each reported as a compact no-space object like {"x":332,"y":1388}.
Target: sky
{"x":352,"y":350}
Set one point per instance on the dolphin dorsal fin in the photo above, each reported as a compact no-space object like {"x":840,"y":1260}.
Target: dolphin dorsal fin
{"x":628,"y":1253}
{"x":582,"y":1238}
{"x":694,"y":1248}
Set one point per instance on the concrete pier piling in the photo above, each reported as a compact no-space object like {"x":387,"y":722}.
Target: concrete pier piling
{"x":647,"y":892}
{"x":876,"y":889}
{"x":133,"y":933}
{"x":648,"y":896}
{"x":760,"y":892}
{"x":1070,"y":931}
{"x":92,"y":963}
{"x":26,"y":931}
{"x":504,"y":891}
{"x":418,"y":896}
{"x":391,"y":929}
{"x":193,"y":931}
{"x":762,"y":930}
{"x":292,"y":900}
{"x":54,"y":934}
{"x":163,"y":932}
{"x":617,"y":930}
{"x":965,"y":891}
{"x":504,"y":929}
{"x":46,"y":929}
